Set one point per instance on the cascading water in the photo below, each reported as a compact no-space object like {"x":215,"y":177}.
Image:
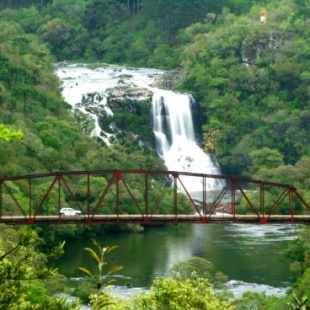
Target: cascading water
{"x":175,"y":138}
{"x":172,"y":115}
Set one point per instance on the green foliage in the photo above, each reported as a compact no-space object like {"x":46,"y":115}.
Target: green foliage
{"x":298,"y":252}
{"x":99,"y":255}
{"x":23,"y":270}
{"x":247,"y":79}
{"x":302,"y":289}
{"x":6,"y":134}
{"x":252,"y":300}
{"x":250,"y":78}
{"x":115,"y":31}
{"x":166,"y":293}
{"x":185,"y":294}
{"x":297,"y":303}
{"x":127,"y":122}
{"x":196,"y":267}
{"x":265,"y":158}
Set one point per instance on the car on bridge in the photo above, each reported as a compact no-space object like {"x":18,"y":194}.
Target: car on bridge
{"x":69,"y":211}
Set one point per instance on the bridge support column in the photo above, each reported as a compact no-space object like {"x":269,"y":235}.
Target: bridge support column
{"x":146,"y":220}
{"x":204,"y":220}
{"x":88,"y":220}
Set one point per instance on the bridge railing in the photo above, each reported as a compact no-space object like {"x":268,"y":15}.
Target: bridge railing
{"x":140,"y":196}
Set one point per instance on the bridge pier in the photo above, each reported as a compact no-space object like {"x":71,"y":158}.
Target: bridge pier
{"x":204,"y":220}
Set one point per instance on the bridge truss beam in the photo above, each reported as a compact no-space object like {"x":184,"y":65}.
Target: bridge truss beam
{"x":147,"y":197}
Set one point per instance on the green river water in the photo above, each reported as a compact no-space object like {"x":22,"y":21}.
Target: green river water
{"x":250,"y":255}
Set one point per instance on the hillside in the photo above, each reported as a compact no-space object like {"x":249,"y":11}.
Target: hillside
{"x":250,"y":77}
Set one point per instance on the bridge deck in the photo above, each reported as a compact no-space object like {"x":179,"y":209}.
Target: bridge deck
{"x":157,"y":219}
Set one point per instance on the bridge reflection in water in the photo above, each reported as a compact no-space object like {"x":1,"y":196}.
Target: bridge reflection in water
{"x":147,"y":197}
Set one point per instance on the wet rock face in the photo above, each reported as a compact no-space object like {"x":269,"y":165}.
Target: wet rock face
{"x":197,"y":119}
{"x":130,"y":108}
{"x":254,"y":48}
{"x":128,"y":99}
{"x":167,"y":80}
{"x":124,"y":110}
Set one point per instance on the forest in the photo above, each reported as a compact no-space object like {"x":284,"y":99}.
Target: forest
{"x":250,"y":78}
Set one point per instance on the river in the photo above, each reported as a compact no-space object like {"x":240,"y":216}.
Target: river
{"x":250,"y":255}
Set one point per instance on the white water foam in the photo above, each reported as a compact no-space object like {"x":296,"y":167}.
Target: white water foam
{"x":238,"y":288}
{"x":255,"y":234}
{"x":175,"y":139}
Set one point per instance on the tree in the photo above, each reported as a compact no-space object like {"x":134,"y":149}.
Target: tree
{"x":210,"y":139}
{"x":186,"y":294}
{"x":197,"y":267}
{"x":254,"y":300}
{"x":303,"y":10}
{"x":7,"y":134}
{"x":265,"y":158}
{"x":23,"y":268}
{"x":58,"y":33}
{"x":301,"y":292}
{"x":298,"y":254}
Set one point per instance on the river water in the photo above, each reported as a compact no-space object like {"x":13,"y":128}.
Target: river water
{"x":250,"y":255}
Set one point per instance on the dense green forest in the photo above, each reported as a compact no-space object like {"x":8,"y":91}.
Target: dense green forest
{"x":250,"y":78}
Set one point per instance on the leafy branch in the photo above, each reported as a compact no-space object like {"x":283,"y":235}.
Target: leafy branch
{"x":6,"y":134}
{"x":99,"y":255}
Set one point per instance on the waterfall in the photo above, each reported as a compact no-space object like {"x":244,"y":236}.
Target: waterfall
{"x":172,"y":114}
{"x":175,"y":138}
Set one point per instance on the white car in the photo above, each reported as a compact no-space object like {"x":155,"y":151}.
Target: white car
{"x":69,"y":211}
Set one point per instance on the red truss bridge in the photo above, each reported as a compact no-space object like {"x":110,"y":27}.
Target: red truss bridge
{"x":147,"y":197}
